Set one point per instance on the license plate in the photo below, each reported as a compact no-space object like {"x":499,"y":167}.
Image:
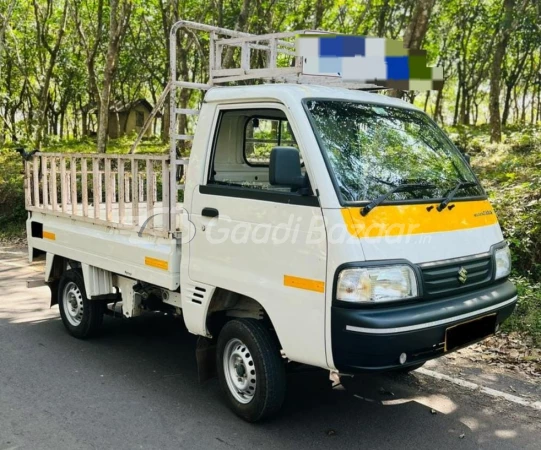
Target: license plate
{"x":466,"y":332}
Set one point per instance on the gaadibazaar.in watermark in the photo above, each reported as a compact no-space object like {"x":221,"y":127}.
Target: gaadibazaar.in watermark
{"x":295,"y":230}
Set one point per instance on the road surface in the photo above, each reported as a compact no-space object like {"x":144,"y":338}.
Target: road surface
{"x":136,"y":387}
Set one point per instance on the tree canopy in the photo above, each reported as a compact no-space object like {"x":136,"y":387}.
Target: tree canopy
{"x":62,"y":62}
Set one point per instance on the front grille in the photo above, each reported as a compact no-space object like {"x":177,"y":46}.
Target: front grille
{"x":442,"y":277}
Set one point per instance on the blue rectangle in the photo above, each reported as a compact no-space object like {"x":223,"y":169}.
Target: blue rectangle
{"x":353,"y":46}
{"x":397,"y":68}
{"x":330,"y":65}
{"x":330,"y":46}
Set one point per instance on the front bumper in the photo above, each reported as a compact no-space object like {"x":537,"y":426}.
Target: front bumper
{"x":373,"y":339}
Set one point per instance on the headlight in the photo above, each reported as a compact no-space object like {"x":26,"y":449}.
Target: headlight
{"x":376,"y":284}
{"x":502,"y":256}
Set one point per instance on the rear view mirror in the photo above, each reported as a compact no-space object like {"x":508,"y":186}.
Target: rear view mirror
{"x":285,"y":167}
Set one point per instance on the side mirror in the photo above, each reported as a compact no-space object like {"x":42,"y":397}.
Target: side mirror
{"x":285,"y":168}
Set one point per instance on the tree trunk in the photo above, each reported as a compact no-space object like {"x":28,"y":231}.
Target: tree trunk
{"x":532,"y":108}
{"x":437,"y":107}
{"x":5,"y":18}
{"x":62,"y":118}
{"x":418,"y":26}
{"x":381,"y":18}
{"x":495,"y":72}
{"x":538,"y":116}
{"x":13,"y":113}
{"x":84,"y":122}
{"x":91,"y":49}
{"x":103,"y":120}
{"x":457,"y":103}
{"x":44,"y":91}
{"x":169,"y":15}
{"x":506,"y":105}
{"x":318,"y":13}
{"x":121,"y":130}
{"x":515,"y":102}
{"x":416,"y":31}
{"x":427,"y":98}
{"x":239,"y":26}
{"x":524,"y":105}
{"x":467,"y":109}
{"x":120,"y":12}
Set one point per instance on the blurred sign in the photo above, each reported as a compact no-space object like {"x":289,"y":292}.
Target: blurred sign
{"x":380,"y":61}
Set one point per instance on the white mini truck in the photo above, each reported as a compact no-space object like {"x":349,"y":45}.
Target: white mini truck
{"x":313,"y":224}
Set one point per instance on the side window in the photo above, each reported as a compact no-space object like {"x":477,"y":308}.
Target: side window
{"x":261,"y":134}
{"x":242,"y":148}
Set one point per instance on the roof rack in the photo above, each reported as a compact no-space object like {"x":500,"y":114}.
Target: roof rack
{"x":276,"y":53}
{"x":278,"y":57}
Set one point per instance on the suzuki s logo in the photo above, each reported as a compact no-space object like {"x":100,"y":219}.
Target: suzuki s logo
{"x":462,"y":275}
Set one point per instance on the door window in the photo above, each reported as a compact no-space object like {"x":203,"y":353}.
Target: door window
{"x":261,"y":134}
{"x":241,"y":155}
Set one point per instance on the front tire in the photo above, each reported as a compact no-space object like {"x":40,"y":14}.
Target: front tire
{"x":250,"y":369}
{"x":81,"y":317}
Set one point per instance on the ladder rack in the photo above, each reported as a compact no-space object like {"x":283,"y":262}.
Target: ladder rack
{"x":280,"y":64}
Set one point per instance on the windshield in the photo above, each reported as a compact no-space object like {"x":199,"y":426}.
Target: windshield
{"x":373,"y":148}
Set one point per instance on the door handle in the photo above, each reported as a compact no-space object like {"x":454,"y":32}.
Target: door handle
{"x":210,"y":212}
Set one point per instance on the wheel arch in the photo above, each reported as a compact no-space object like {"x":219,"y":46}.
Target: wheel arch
{"x":226,"y":304}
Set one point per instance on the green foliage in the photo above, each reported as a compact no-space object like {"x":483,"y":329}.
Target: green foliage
{"x":512,"y":177}
{"x":12,"y":211}
{"x":121,"y":145}
{"x":527,"y":316}
{"x":511,"y":174}
{"x":461,"y":37}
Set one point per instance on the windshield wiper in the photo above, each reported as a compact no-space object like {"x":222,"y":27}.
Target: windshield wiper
{"x":451,"y":195}
{"x":400,"y":188}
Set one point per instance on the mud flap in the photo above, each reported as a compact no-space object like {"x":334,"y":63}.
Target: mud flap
{"x":53,"y":286}
{"x":205,"y":354}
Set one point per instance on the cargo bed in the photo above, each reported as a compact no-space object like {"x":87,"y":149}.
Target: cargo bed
{"x":108,"y":211}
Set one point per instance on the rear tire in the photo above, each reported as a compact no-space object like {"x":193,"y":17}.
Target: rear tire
{"x":250,"y":369}
{"x":81,"y":317}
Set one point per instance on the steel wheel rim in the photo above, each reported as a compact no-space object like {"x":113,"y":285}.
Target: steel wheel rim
{"x":72,"y":300}
{"x":239,"y":369}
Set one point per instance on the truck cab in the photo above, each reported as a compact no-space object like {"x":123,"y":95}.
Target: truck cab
{"x":282,"y":195}
{"x":318,"y":225}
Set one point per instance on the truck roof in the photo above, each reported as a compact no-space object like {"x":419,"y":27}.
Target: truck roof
{"x":297,"y":92}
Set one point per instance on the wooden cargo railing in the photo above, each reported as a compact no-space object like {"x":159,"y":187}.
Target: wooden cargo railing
{"x":119,"y":191}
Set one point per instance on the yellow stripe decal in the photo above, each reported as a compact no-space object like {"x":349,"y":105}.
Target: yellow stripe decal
{"x":49,"y":235}
{"x":304,"y":283}
{"x":158,"y":263}
{"x":399,"y":220}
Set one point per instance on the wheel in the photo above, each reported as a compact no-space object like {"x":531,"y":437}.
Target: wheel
{"x":81,"y":317}
{"x":250,"y":369}
{"x":409,"y":369}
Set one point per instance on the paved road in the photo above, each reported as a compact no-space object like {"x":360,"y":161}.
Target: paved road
{"x":136,"y":387}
